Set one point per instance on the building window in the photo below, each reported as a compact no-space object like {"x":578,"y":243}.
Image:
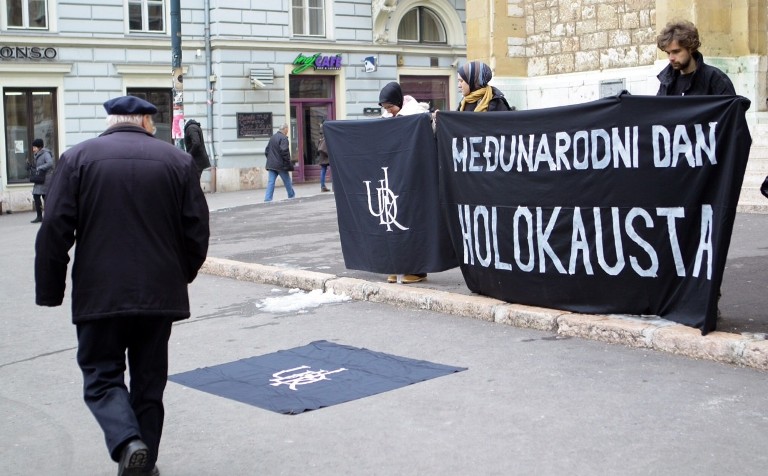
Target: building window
{"x":29,"y":114}
{"x":146,"y":15}
{"x":162,"y":99}
{"x":421,"y":25}
{"x":27,"y":13}
{"x":434,"y":90}
{"x":309,"y":17}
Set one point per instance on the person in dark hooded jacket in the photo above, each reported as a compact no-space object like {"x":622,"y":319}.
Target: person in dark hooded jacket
{"x":687,"y":74}
{"x":195,"y":145}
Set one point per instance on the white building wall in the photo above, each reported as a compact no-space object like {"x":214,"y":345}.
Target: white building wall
{"x":99,"y":59}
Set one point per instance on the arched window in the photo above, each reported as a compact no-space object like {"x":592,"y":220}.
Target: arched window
{"x":421,"y":25}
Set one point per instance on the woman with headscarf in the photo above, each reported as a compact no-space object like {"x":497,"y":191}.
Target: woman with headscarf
{"x":479,"y":96}
{"x":395,"y":104}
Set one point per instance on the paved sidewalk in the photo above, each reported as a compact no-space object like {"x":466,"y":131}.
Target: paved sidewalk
{"x":295,"y":244}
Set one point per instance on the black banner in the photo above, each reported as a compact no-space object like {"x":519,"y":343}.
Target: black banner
{"x":385,"y":180}
{"x":622,"y":205}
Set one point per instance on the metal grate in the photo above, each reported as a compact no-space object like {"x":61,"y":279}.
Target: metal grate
{"x":265,"y":75}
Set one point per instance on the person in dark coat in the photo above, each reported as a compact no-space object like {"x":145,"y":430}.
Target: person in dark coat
{"x":195,"y":145}
{"x":134,"y":205}
{"x":323,"y":160}
{"x":43,"y":163}
{"x":278,"y":154}
{"x":687,"y":74}
{"x":478,"y":95}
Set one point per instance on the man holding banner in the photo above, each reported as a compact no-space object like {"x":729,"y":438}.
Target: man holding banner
{"x":687,"y":74}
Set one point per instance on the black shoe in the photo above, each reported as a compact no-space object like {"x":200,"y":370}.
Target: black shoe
{"x":133,"y":459}
{"x":325,"y":189}
{"x":37,"y":220}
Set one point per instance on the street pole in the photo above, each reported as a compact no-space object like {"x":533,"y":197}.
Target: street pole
{"x":177,"y":128}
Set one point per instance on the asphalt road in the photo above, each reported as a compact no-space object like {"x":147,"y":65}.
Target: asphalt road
{"x":530,"y":403}
{"x":303,"y":233}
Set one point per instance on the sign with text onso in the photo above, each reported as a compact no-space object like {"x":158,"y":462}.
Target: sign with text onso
{"x":28,"y":52}
{"x":317,"y":61}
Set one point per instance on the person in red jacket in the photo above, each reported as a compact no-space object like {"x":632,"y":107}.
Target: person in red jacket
{"x":135,"y":207}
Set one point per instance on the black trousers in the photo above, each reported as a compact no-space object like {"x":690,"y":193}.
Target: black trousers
{"x":38,"y":199}
{"x":124,"y":414}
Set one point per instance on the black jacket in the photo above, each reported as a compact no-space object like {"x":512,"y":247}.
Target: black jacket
{"x":498,"y":103}
{"x":706,"y":80}
{"x":195,"y":145}
{"x":278,"y":152}
{"x":135,"y":207}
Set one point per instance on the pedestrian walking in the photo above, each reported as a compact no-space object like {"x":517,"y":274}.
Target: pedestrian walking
{"x":134,"y":205}
{"x":323,"y":160}
{"x":279,"y":163}
{"x":42,"y":168}
{"x":687,"y":74}
{"x":194,"y":143}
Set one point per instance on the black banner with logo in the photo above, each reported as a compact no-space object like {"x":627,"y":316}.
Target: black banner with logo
{"x":622,"y":205}
{"x":385,"y":180}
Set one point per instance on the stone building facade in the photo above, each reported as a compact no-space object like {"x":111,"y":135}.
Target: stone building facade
{"x":547,"y":53}
{"x":61,"y":59}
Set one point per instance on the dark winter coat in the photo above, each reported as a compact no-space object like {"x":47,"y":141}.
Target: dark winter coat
{"x":498,"y":103}
{"x":706,"y":80}
{"x":322,"y":152}
{"x":278,"y":152}
{"x":43,"y":161}
{"x":135,"y":207}
{"x":195,"y":145}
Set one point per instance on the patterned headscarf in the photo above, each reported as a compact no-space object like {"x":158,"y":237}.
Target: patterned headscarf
{"x":477,"y":74}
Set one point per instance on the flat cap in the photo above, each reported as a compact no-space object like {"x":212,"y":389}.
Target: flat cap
{"x":129,"y":106}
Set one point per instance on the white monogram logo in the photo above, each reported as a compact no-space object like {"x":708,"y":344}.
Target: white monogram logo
{"x":387,"y":203}
{"x":300,"y":378}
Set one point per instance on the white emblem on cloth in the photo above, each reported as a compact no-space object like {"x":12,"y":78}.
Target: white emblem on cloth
{"x":300,"y":378}
{"x":387,"y":203}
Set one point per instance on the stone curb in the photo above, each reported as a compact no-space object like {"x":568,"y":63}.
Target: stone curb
{"x":655,"y":334}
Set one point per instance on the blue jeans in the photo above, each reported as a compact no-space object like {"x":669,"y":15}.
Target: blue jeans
{"x":323,"y":172}
{"x":271,"y":184}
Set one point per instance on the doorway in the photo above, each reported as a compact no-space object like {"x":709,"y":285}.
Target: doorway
{"x":312,"y":103}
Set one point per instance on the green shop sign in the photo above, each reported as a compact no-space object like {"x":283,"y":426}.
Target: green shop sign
{"x":303,"y":63}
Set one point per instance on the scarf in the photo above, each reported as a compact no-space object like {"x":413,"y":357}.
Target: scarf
{"x":481,"y":96}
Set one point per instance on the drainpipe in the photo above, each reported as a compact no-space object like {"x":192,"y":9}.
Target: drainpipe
{"x":209,"y":72}
{"x":178,"y":75}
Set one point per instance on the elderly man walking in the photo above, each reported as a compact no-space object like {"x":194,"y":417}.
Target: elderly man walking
{"x":278,"y":154}
{"x":134,"y":205}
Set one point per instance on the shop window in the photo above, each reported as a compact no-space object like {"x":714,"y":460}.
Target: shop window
{"x":146,"y":16}
{"x":421,"y":25}
{"x":308,"y":17}
{"x":162,"y":99}
{"x":27,"y":14}
{"x":29,"y":114}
